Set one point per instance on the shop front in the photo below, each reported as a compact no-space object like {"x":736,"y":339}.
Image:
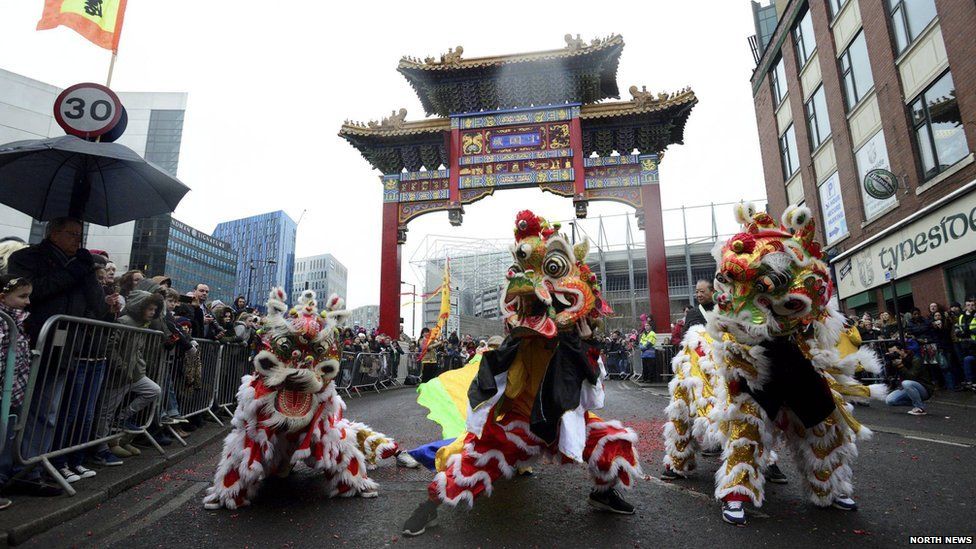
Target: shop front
{"x":928,"y":257}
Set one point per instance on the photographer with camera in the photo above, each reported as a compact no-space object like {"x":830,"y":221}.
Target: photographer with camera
{"x":911,"y":384}
{"x":965,"y":335}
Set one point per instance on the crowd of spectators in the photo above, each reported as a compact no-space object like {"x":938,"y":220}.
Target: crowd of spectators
{"x":943,"y":341}
{"x":94,"y":376}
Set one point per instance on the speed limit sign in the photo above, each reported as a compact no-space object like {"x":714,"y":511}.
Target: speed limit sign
{"x":87,"y":110}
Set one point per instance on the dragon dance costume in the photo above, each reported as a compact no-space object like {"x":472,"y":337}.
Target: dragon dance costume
{"x":767,"y":372}
{"x":288,"y":411}
{"x":535,"y":395}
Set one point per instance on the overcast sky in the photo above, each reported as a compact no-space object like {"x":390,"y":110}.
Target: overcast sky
{"x":270,"y":83}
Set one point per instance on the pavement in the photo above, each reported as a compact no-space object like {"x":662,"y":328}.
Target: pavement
{"x":913,"y":478}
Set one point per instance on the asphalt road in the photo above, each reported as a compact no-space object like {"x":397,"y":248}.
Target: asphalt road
{"x":916,"y":477}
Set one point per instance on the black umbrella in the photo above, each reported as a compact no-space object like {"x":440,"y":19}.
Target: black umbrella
{"x":102,"y":183}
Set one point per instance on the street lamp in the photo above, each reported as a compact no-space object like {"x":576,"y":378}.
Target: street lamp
{"x":413,"y":294}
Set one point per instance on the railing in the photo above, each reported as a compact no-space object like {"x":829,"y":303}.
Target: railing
{"x":81,"y":375}
{"x":92,"y":383}
{"x":6,"y":397}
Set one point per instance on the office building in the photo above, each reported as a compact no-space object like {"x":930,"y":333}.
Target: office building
{"x":163,"y":245}
{"x":321,"y":273}
{"x":866,"y":114}
{"x":367,"y":316}
{"x":266,"y":258}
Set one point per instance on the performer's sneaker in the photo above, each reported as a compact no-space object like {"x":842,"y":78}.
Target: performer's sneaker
{"x":423,"y":516}
{"x":669,"y":474}
{"x":917,"y":412}
{"x":733,"y":512}
{"x":404,"y":459}
{"x":774,"y":475}
{"x":844,"y":503}
{"x":610,"y":500}
{"x":712,"y":452}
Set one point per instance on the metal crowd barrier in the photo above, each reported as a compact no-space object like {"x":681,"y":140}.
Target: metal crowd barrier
{"x":344,"y":378}
{"x":368,"y":370}
{"x":234,"y":364}
{"x":618,"y":364}
{"x":413,"y":368}
{"x":6,"y":397}
{"x":85,"y":390}
{"x":198,"y":397}
{"x":880,"y":348}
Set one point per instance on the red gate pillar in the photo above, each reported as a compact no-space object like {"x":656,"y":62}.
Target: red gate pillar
{"x":657,"y":267}
{"x":390,"y":272}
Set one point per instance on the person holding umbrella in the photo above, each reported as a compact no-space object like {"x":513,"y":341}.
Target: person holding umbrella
{"x":64,"y":281}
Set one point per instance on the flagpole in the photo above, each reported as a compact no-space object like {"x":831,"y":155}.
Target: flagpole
{"x":111,"y":69}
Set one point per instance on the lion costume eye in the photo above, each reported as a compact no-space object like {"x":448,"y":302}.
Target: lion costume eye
{"x":283,"y":345}
{"x":556,"y":265}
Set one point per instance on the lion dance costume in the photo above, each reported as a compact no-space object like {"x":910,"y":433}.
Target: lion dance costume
{"x":535,"y":394}
{"x":769,"y":359}
{"x":288,"y":411}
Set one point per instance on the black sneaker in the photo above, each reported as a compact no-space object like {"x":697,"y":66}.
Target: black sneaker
{"x":423,"y":516}
{"x":774,"y":475}
{"x":712,"y":452}
{"x":4,"y":503}
{"x":669,"y":474}
{"x":610,"y":501}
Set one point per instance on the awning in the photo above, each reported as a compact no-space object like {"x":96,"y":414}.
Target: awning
{"x":864,"y":298}
{"x":904,"y":287}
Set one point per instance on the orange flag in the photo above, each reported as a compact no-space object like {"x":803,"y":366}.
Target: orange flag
{"x":100,"y":21}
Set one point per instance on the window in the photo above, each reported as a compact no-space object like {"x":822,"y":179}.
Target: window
{"x":817,"y":122}
{"x":908,"y":19}
{"x":835,"y":7}
{"x":803,"y":40}
{"x":855,"y":69}
{"x":788,"y":153}
{"x":938,"y":127}
{"x":794,"y":192}
{"x":778,"y":79}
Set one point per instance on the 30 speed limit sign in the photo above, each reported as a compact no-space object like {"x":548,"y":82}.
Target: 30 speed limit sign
{"x":87,"y":110}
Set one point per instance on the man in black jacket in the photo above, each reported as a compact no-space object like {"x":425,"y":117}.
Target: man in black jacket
{"x":64,"y":283}
{"x":696,"y":316}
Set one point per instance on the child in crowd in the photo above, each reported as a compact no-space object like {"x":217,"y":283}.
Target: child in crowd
{"x":128,"y":363}
{"x":14,"y":297}
{"x":182,"y":344}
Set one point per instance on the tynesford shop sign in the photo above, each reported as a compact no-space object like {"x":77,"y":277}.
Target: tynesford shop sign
{"x":944,"y":234}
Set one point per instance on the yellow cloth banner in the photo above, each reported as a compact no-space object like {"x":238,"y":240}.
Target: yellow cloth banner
{"x":435,"y":332}
{"x":100,"y":21}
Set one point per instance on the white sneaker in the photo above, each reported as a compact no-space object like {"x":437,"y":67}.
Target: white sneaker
{"x":68,"y":474}
{"x":404,"y":459}
{"x":917,"y":412}
{"x":734,"y":513}
{"x":84,"y":472}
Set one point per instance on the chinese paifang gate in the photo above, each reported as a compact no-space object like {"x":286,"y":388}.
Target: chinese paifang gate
{"x":766,"y":371}
{"x":288,"y":411}
{"x":536,"y":393}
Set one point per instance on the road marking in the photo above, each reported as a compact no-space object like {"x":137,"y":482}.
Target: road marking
{"x":172,"y":505}
{"x":695,"y":494}
{"x":939,"y":441}
{"x":961,"y":442}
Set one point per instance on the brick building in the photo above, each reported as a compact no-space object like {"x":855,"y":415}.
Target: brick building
{"x":846,"y":87}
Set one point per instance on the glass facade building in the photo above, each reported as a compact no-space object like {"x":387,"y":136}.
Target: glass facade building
{"x":163,"y":245}
{"x":321,"y":273}
{"x":266,"y":246}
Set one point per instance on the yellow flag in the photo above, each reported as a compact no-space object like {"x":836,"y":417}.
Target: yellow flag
{"x":100,"y":21}
{"x":435,"y":332}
